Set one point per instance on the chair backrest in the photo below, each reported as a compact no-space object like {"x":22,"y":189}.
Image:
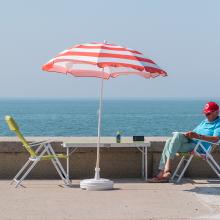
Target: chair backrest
{"x":14,"y":127}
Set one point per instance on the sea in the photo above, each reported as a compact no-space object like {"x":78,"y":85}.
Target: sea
{"x":79,"y":117}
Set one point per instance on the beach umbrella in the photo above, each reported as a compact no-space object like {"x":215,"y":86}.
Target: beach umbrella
{"x":102,"y":60}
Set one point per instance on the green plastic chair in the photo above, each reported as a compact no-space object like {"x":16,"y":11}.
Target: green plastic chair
{"x":44,"y":151}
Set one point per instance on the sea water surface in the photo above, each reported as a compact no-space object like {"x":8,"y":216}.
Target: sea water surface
{"x":74,"y":117}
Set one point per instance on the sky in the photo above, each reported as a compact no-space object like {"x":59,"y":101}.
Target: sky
{"x":182,"y":37}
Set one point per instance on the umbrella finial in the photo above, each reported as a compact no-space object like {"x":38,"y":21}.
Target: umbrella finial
{"x":105,"y":41}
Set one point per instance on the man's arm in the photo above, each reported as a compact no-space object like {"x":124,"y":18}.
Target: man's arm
{"x":192,"y":134}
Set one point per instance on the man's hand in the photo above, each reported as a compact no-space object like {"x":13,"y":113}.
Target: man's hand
{"x":192,"y":134}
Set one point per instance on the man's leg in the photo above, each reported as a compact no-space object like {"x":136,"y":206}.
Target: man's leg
{"x":168,"y":166}
{"x":178,"y":143}
{"x":160,"y":175}
{"x":163,"y":158}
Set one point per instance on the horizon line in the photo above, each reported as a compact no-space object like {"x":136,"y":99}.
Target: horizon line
{"x":107,"y":98}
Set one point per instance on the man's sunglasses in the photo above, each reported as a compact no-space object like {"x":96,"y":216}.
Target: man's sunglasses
{"x":208,"y":114}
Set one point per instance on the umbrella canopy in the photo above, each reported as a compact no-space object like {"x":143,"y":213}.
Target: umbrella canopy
{"x":102,"y":60}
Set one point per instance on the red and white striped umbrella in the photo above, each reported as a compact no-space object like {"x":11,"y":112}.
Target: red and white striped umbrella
{"x":102,"y":60}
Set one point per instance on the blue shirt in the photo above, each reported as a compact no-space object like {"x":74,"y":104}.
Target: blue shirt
{"x":208,"y":128}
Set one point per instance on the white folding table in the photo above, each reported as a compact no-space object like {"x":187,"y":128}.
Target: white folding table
{"x":107,"y":142}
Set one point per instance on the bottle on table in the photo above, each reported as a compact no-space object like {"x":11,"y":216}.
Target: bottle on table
{"x":118,"y":136}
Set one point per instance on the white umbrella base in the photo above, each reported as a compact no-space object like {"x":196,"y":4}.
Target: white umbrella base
{"x":96,"y":184}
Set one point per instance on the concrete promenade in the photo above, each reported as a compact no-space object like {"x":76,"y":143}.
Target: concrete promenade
{"x":131,"y":199}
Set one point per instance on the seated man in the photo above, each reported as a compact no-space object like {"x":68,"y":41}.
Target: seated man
{"x":208,"y":130}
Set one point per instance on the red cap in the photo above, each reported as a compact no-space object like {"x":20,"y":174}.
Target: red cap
{"x":210,"y":107}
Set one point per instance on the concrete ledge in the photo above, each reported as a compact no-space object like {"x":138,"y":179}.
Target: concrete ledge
{"x":115,"y":162}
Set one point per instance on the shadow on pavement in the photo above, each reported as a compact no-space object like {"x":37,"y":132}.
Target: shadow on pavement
{"x":206,"y":190}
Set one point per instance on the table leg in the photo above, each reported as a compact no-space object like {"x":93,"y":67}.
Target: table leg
{"x":145,"y":160}
{"x":67,"y":164}
{"x":143,"y":163}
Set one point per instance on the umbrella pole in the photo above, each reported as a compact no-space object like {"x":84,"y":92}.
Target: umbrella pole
{"x":98,"y":183}
{"x":97,"y":168}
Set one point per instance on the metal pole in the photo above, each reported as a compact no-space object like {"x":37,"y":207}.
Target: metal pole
{"x":97,"y":168}
{"x":145,"y":161}
{"x":67,"y":164}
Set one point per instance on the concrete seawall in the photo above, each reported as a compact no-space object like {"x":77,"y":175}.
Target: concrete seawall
{"x":115,"y":162}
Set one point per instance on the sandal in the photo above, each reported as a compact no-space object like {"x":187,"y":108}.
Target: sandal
{"x":161,"y":179}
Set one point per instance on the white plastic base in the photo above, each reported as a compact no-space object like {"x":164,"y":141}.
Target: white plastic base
{"x":96,"y":184}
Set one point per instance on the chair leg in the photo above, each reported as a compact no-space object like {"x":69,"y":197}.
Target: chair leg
{"x":35,"y":161}
{"x":62,"y":176}
{"x":58,"y":166}
{"x":178,"y":167}
{"x":214,"y":168}
{"x":26,"y":173}
{"x":20,"y":171}
{"x":214,"y":162}
{"x":58,"y":162}
{"x":184,"y":169}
